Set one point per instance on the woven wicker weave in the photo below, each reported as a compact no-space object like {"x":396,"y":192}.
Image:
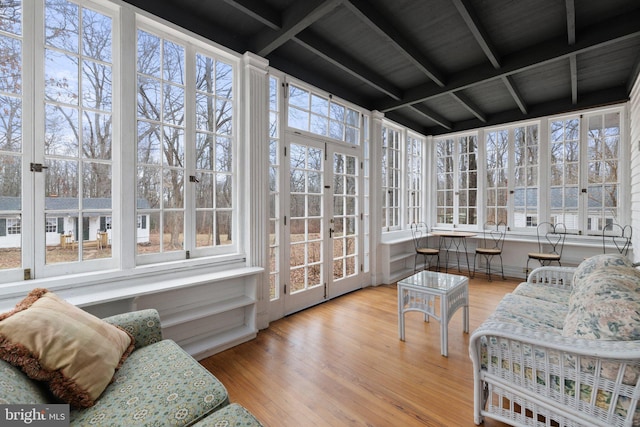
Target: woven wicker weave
{"x":528,"y":377}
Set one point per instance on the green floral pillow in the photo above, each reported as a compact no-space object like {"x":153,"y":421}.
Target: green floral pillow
{"x":606,"y":305}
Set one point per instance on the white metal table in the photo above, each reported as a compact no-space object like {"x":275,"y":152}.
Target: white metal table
{"x":419,"y":292}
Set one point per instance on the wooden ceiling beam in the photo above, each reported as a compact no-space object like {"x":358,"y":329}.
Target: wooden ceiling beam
{"x":316,"y":44}
{"x":480,"y":34}
{"x":571,"y":39}
{"x":477,"y":29}
{"x":346,"y":63}
{"x":469,"y":105}
{"x":427,"y":112}
{"x":378,"y":22}
{"x":258,"y":10}
{"x":608,"y":96}
{"x":515,"y":93}
{"x":605,"y":33}
{"x":294,"y":20}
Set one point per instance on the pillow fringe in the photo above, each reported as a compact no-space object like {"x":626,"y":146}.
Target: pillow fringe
{"x":61,"y":386}
{"x":27,"y":302}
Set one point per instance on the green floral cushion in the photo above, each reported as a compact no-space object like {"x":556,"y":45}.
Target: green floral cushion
{"x":606,"y":306}
{"x":158,"y":385}
{"x":16,"y":387}
{"x":232,"y":415}
{"x":596,"y":262}
{"x":543,"y":292}
{"x":531,"y":313}
{"x":143,"y":325}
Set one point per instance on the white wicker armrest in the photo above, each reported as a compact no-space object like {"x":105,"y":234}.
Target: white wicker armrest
{"x":595,"y":348}
{"x":540,"y":372}
{"x":560,"y":277}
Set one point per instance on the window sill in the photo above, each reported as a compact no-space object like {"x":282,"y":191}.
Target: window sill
{"x":113,"y":285}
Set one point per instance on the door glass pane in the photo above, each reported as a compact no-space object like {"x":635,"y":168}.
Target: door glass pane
{"x":345,"y":213}
{"x":306,"y":234}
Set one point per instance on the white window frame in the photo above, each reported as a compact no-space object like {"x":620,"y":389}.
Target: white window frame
{"x":415,"y":154}
{"x":456,"y":176}
{"x":192,"y":47}
{"x":125,"y":21}
{"x":392,"y":176}
{"x":511,"y":186}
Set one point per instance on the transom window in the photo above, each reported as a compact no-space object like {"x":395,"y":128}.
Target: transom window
{"x":321,"y":115}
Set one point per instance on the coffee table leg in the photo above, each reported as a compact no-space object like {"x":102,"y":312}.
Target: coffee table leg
{"x":444,"y":325}
{"x":400,"y":313}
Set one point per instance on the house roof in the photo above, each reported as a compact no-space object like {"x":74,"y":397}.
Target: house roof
{"x":66,"y":203}
{"x":436,"y":66}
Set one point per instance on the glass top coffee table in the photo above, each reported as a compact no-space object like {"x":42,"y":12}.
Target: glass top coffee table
{"x":419,"y":293}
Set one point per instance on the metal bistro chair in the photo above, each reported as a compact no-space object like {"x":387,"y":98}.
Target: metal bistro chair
{"x":491,"y":246}
{"x":420,"y":233}
{"x":550,"y":236}
{"x":619,"y":236}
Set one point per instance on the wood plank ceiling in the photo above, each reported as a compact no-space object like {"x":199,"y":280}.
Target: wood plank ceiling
{"x":436,"y":66}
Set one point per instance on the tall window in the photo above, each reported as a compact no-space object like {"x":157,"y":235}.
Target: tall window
{"x":161,"y":145}
{"x":565,"y":172}
{"x":496,"y":190}
{"x":603,"y":160}
{"x":511,"y":186}
{"x":274,"y":188}
{"x":60,"y":82}
{"x":163,"y":124}
{"x":526,"y":168}
{"x":445,"y":179}
{"x":11,"y":120}
{"x":214,"y":152}
{"x":78,"y":125}
{"x":390,"y":178}
{"x":415,"y":179}
{"x":457,"y":180}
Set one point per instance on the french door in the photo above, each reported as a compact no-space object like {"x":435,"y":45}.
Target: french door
{"x":322,"y":239}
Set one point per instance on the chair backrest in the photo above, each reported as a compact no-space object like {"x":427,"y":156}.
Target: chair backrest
{"x":420,"y":233}
{"x":619,"y":236}
{"x":551,"y":236}
{"x":493,"y":235}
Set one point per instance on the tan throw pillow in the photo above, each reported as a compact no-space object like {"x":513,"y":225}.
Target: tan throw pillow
{"x":52,"y":340}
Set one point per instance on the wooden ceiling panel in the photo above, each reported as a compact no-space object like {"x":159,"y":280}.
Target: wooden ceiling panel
{"x":435,"y":65}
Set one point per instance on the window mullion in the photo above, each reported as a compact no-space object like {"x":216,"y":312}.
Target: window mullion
{"x":189,"y":147}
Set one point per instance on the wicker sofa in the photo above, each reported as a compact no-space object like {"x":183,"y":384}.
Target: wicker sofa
{"x":158,"y":384}
{"x":563,"y":348}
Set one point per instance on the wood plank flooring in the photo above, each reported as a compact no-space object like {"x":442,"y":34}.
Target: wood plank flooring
{"x":341,"y":364}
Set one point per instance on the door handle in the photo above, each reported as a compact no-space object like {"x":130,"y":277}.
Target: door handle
{"x":331,"y":233}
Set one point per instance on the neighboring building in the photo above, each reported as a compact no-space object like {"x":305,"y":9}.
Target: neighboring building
{"x":62,"y":220}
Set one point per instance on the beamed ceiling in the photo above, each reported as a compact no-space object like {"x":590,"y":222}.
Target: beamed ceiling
{"x":435,"y":66}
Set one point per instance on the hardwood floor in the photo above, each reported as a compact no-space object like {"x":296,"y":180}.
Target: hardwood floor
{"x":341,"y":364}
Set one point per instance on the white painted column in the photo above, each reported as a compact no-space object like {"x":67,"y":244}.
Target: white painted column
{"x":254,"y":155}
{"x":376,"y":202}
